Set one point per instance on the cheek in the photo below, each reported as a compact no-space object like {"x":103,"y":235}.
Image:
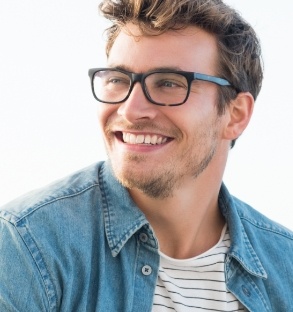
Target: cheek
{"x":199,"y":123}
{"x":188,"y":116}
{"x":105,"y":112}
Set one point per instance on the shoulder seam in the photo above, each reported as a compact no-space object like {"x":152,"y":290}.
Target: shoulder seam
{"x":281,"y":231}
{"x":54,"y":199}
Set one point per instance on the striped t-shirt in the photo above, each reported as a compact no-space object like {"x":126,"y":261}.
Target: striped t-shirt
{"x":196,"y":284}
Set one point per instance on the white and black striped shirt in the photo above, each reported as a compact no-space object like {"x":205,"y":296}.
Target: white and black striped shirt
{"x":196,"y":284}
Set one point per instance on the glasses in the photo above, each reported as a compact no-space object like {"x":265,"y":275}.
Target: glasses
{"x":160,"y":87}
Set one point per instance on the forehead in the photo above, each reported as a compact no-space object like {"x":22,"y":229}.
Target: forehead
{"x":190,"y":49}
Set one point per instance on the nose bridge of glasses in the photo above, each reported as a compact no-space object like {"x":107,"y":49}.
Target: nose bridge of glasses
{"x":137,"y":78}
{"x":141,"y":79}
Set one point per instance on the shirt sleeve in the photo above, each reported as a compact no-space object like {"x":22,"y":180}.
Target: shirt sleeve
{"x":21,"y":285}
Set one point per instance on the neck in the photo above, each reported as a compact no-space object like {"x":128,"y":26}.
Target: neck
{"x":188,"y":223}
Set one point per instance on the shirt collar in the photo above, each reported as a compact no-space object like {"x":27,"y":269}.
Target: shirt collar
{"x":122,"y":217}
{"x":241,"y":248}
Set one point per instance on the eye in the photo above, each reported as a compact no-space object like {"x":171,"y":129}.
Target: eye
{"x":112,"y":78}
{"x":167,"y":81}
{"x":117,"y":80}
{"x":167,"y":84}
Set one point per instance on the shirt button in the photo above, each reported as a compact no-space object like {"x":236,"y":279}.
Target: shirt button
{"x":146,"y":270}
{"x":143,"y":237}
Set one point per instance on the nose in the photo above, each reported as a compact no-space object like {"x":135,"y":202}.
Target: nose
{"x":137,"y":106}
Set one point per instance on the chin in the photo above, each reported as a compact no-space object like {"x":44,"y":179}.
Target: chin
{"x":150,"y":182}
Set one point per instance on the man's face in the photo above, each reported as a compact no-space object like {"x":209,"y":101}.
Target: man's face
{"x":158,"y":148}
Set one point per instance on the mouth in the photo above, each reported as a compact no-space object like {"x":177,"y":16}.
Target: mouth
{"x":144,"y":139}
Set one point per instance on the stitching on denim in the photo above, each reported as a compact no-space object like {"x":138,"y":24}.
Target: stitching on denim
{"x":127,"y":235}
{"x":107,"y":217}
{"x":253,"y":254}
{"x":281,"y":232}
{"x":243,"y":264}
{"x":33,"y":209}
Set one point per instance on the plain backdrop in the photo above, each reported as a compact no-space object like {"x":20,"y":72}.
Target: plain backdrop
{"x":48,"y":123}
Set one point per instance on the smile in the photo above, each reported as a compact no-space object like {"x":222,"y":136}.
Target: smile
{"x":152,"y":139}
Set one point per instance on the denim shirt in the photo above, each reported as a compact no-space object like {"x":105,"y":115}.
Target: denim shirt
{"x":82,"y":245}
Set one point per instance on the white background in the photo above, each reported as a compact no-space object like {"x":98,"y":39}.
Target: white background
{"x":48,"y":124}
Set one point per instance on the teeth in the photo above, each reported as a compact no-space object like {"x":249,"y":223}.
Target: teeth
{"x":154,"y":139}
{"x":147,"y":139}
{"x":159,"y":141}
{"x":132,"y":139}
{"x":139,"y":139}
{"x":143,"y":139}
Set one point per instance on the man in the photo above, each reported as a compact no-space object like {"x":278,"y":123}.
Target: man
{"x":154,"y":228}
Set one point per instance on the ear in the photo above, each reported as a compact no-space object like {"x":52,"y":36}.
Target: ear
{"x":239,"y":113}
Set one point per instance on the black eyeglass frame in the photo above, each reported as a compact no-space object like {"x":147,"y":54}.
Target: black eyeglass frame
{"x":134,"y":77}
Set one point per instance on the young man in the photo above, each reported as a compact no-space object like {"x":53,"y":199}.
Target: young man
{"x":154,"y":228}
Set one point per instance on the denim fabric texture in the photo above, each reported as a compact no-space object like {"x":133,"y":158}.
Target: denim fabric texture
{"x":82,"y":245}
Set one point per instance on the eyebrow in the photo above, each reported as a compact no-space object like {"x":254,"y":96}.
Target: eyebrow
{"x":127,"y":68}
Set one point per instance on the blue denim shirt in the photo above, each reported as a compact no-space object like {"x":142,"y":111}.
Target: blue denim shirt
{"x":82,"y":245}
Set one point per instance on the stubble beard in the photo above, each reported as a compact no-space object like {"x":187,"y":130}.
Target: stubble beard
{"x":151,"y":183}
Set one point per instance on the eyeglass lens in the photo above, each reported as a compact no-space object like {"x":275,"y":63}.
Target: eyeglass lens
{"x":163,"y":88}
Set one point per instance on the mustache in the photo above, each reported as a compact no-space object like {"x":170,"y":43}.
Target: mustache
{"x":141,"y":125}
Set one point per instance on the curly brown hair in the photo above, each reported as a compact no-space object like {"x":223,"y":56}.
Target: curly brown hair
{"x":239,"y":49}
